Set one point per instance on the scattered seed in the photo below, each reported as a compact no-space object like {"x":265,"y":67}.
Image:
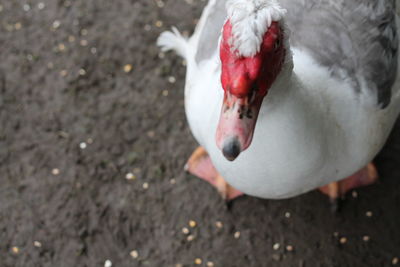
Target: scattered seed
{"x":172,"y":181}
{"x":336,"y":234}
{"x":366,"y":238}
{"x":56,"y":24}
{"x":369,"y":214}
{"x":26,"y":7}
{"x":37,"y":244}
{"x":82,"y":145}
{"x":354,"y":194}
{"x":61,"y":47}
{"x":145,"y":185}
{"x":190,"y":238}
{"x":82,"y":72}
{"x":185,"y":230}
{"x":107,"y":263}
{"x":55,"y":171}
{"x":64,"y":73}
{"x":89,"y":140}
{"x":41,"y":5}
{"x":160,"y":3}
{"x":151,"y":134}
{"x":158,"y":23}
{"x":165,"y":93}
{"x":289,"y":248}
{"x":179,"y":265}
{"x":171,"y":79}
{"x":134,"y":254}
{"x":395,"y":261}
{"x":130,"y":176}
{"x":236,"y":234}
{"x":343,"y":240}
{"x":198,"y":261}
{"x":147,"y":27}
{"x":276,"y":246}
{"x":83,"y":42}
{"x":18,"y":25}
{"x":93,"y":50}
{"x":84,"y":32}
{"x":218,"y":224}
{"x":287,"y":215}
{"x":210,"y":264}
{"x":71,"y":38}
{"x":128,"y":68}
{"x":15,"y":250}
{"x":192,"y":223}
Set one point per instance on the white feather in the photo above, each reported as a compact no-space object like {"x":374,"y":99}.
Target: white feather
{"x":250,"y":20}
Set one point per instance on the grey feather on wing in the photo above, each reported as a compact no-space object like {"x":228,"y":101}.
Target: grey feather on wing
{"x":356,"y":39}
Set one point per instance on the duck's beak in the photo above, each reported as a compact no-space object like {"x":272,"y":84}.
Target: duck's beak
{"x":236,"y":125}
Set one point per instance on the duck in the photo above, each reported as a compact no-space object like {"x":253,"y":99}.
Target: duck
{"x":289,"y":96}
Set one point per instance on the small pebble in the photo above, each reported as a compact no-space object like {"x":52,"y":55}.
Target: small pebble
{"x":237,"y":234}
{"x":82,"y":145}
{"x":190,"y":238}
{"x":147,"y":27}
{"x":89,"y":141}
{"x":354,"y":194}
{"x":276,"y":257}
{"x":198,"y":261}
{"x":343,"y":240}
{"x":158,"y":23}
{"x":130,"y":176}
{"x":50,"y":65}
{"x":151,"y":134}
{"x":160,"y":3}
{"x":93,"y":50}
{"x":64,"y":73}
{"x":15,"y":250}
{"x":336,"y":234}
{"x":37,"y":244}
{"x":134,"y":254}
{"x":41,"y":5}
{"x":71,"y":39}
{"x":287,"y":215}
{"x":107,"y":263}
{"x":56,"y":24}
{"x":18,"y":25}
{"x":145,"y":185}
{"x":172,"y":181}
{"x":128,"y":68}
{"x":210,"y":264}
{"x":26,"y":7}
{"x":82,"y":72}
{"x":192,"y":223}
{"x":161,"y":55}
{"x":276,"y":246}
{"x":218,"y":224}
{"x":179,"y":265}
{"x":369,"y":214}
{"x":55,"y":171}
{"x":395,"y":261}
{"x":84,"y":32}
{"x":61,"y":47}
{"x":366,"y":238}
{"x":289,"y":248}
{"x":171,"y":79}
{"x":185,"y":230}
{"x":83,"y":42}
{"x":165,"y":93}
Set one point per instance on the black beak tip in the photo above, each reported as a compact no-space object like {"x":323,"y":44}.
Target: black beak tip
{"x":231,"y":149}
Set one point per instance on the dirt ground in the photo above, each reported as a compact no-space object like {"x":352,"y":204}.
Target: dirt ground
{"x":77,"y":120}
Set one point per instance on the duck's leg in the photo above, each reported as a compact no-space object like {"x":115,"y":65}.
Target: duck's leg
{"x":200,"y":165}
{"x":366,"y":176}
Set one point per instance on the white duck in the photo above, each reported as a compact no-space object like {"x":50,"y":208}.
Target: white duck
{"x":306,"y":96}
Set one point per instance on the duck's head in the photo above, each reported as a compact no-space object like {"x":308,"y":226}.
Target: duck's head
{"x":251,"y":59}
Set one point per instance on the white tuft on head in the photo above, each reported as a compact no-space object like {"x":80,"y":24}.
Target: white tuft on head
{"x":250,"y":20}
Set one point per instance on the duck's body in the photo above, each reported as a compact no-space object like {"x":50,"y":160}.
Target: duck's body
{"x":321,"y":121}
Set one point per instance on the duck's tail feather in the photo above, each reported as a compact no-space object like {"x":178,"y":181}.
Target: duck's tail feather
{"x":174,"y":41}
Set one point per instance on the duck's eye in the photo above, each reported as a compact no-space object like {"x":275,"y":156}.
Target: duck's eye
{"x":277,"y":44}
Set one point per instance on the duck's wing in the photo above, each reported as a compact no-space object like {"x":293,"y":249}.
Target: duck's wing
{"x":356,"y":39}
{"x":208,"y":30}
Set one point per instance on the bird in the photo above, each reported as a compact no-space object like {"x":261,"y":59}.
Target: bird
{"x":289,"y":96}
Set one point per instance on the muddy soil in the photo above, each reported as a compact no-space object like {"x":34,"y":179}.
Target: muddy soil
{"x":86,"y":102}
